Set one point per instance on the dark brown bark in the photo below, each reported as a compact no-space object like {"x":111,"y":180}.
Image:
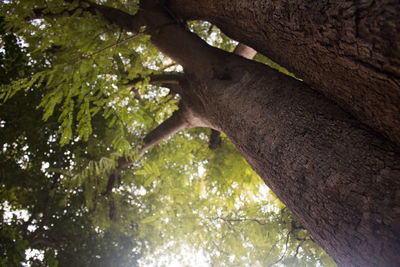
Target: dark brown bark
{"x":246,"y":52}
{"x":338,"y":177}
{"x":348,"y":50}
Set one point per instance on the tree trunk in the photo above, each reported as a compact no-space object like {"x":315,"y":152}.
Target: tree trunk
{"x":348,"y":50}
{"x":338,"y":177}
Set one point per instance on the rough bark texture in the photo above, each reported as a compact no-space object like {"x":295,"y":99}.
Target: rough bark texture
{"x":348,"y":50}
{"x":339,"y":177}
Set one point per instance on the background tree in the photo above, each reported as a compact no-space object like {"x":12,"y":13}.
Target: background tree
{"x":319,"y":160}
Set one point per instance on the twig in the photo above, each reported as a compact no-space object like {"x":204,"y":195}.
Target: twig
{"x":297,"y":249}
{"x":109,"y":46}
{"x":241,"y":220}
{"x":284,"y":253}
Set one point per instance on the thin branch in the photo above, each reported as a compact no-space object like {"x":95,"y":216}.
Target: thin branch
{"x":168,"y":66}
{"x":284,"y":253}
{"x":112,"y":211}
{"x":169,"y":80}
{"x":42,"y":241}
{"x":112,"y":15}
{"x":137,"y":94}
{"x":219,"y":249}
{"x":241,"y":220}
{"x":215,"y":140}
{"x":166,"y":129}
{"x":210,"y":29}
{"x":166,"y":77}
{"x":297,"y":249}
{"x":295,"y":227}
{"x":110,"y":46}
{"x":114,"y":176}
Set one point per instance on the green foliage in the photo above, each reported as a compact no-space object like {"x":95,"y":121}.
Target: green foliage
{"x":212,"y":35}
{"x":66,"y":118}
{"x":225,"y":212}
{"x":12,"y":247}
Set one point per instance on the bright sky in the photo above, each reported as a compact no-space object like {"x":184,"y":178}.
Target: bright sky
{"x":187,"y":257}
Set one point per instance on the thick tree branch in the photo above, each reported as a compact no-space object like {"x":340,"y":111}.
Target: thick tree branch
{"x":128,"y":22}
{"x":168,"y":66}
{"x":112,"y":211}
{"x":167,"y":34}
{"x":33,"y":242}
{"x":115,"y":16}
{"x":166,"y":129}
{"x":174,"y":40}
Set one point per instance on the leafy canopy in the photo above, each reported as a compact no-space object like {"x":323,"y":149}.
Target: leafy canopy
{"x":67,"y":116}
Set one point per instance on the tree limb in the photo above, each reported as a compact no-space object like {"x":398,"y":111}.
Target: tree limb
{"x":169,"y":80}
{"x":112,"y":212}
{"x":297,"y":249}
{"x":215,"y":140}
{"x":284,"y":253}
{"x":168,"y":66}
{"x":114,"y":176}
{"x":128,"y":22}
{"x":242,"y":220}
{"x":166,"y":129}
{"x":167,"y":34}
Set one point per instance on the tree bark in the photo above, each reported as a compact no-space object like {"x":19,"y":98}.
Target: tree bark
{"x":246,"y":52}
{"x":169,"y":127}
{"x":348,"y":50}
{"x":337,"y":176}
